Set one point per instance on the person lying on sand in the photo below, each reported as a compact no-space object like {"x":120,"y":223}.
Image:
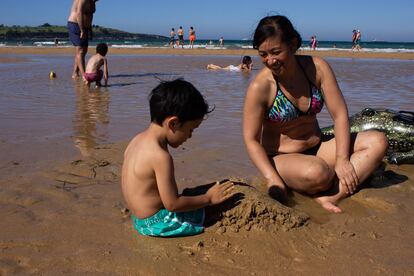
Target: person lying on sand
{"x":245,"y":66}
{"x":177,"y":108}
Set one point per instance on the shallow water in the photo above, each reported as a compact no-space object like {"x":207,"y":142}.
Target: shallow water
{"x":35,"y":109}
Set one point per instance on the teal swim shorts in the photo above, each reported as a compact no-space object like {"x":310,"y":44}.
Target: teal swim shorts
{"x":171,"y":224}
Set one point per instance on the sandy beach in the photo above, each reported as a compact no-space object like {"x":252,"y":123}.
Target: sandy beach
{"x":62,"y":146}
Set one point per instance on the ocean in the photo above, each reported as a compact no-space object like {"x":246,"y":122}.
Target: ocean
{"x":371,"y":46}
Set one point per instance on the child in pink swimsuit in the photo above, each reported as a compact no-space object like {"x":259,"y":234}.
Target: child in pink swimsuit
{"x":93,"y":73}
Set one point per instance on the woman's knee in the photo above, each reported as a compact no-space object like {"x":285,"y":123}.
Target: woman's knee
{"x":378,"y":143}
{"x":319,"y":176}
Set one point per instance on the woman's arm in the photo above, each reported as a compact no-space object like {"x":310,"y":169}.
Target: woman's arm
{"x":253,"y":114}
{"x":338,"y":110}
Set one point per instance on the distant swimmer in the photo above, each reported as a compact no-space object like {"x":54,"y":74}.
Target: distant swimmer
{"x":245,"y":66}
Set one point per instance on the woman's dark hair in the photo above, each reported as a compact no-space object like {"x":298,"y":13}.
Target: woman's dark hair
{"x":246,"y":60}
{"x":102,"y":49}
{"x":276,"y":26}
{"x":177,"y":98}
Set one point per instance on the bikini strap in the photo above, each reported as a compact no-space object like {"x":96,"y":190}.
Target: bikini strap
{"x":304,"y":72}
{"x":277,"y":85}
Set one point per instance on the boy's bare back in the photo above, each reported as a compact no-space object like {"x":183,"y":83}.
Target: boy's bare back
{"x":95,"y":62}
{"x":138,"y":175}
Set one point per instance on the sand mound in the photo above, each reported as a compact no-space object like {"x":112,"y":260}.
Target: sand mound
{"x":250,"y":209}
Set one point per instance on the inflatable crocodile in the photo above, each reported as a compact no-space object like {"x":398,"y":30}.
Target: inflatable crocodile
{"x":398,"y":126}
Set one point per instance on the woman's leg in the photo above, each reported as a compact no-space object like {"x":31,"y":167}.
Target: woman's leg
{"x":368,"y":149}
{"x":304,"y":173}
{"x":213,"y":67}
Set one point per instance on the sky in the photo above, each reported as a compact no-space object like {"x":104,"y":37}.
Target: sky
{"x":233,"y":19}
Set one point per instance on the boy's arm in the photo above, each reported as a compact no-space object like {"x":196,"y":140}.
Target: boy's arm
{"x":172,"y":201}
{"x":106,"y":71}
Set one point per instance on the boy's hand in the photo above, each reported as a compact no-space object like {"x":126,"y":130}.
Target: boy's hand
{"x":220,"y":192}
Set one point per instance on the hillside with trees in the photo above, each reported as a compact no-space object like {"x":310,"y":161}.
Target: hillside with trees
{"x":50,"y":32}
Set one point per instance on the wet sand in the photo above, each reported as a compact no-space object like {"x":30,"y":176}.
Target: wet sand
{"x":61,"y":204}
{"x":71,"y":219}
{"x":198,"y":52}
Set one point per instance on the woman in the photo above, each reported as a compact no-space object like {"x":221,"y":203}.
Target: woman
{"x":280,"y":129}
{"x":245,"y":66}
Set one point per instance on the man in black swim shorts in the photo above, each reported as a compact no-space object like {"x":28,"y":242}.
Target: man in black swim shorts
{"x":80,"y":31}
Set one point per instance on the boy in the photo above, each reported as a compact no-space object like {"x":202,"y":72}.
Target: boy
{"x":148,"y":184}
{"x":93,"y":72}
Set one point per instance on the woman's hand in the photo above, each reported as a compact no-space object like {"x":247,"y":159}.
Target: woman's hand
{"x":347,"y":176}
{"x":277,"y":192}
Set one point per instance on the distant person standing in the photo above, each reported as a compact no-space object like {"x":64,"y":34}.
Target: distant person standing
{"x":314,"y":42}
{"x":221,"y":42}
{"x":192,"y":37}
{"x":172,"y":38}
{"x":354,"y":35}
{"x":180,"y":34}
{"x":358,"y":40}
{"x":80,"y":31}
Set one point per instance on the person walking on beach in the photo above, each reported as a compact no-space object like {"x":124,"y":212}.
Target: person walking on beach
{"x":221,"y":42}
{"x":314,"y":42}
{"x":172,"y":38}
{"x":281,"y":131}
{"x":192,"y":37}
{"x":354,"y":34}
{"x":80,"y":31}
{"x":180,"y":34}
{"x":358,"y":40}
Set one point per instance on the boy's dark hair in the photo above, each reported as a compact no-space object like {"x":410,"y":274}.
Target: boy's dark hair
{"x":177,"y":98}
{"x":102,"y":49}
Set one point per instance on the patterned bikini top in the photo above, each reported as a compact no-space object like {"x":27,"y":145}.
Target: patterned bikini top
{"x":283,"y":110}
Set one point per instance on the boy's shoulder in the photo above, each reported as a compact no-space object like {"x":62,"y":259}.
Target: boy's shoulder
{"x":148,"y":148}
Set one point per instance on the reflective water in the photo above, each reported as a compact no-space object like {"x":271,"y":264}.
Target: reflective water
{"x":34,"y":108}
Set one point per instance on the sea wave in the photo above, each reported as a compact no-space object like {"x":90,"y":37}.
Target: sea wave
{"x":127,"y":46}
{"x":373,"y":50}
{"x":49,"y":43}
{"x":198,"y":46}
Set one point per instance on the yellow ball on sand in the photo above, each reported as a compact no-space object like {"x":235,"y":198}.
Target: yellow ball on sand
{"x":52,"y":75}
